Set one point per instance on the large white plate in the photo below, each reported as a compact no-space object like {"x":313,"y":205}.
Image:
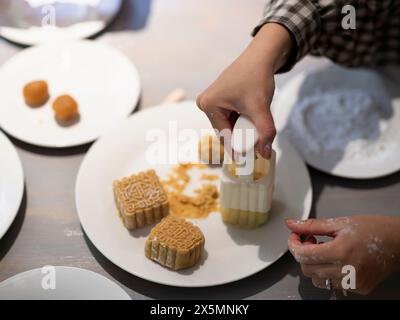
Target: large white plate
{"x":28,"y":22}
{"x":69,"y":283}
{"x":366,"y":168}
{"x":231,"y":254}
{"x":11,"y":183}
{"x":103,"y":81}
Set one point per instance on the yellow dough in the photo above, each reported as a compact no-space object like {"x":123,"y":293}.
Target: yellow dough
{"x":65,"y":108}
{"x":244,"y":219}
{"x":211,"y":151}
{"x":36,"y":93}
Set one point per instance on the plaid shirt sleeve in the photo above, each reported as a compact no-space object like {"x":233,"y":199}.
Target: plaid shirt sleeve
{"x":301,"y":18}
{"x":316,"y":28}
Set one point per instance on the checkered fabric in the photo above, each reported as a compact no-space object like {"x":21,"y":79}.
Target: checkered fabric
{"x":316,"y":27}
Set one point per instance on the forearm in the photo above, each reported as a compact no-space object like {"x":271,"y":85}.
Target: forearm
{"x":301,"y":18}
{"x":393,"y":228}
{"x":383,"y":241}
{"x":271,"y":46}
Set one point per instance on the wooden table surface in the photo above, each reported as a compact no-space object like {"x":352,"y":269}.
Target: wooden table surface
{"x":174,"y":44}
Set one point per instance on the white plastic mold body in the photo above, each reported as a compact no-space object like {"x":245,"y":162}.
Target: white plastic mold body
{"x":247,"y":202}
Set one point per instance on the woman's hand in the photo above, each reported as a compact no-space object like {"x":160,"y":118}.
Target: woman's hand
{"x":371,"y":244}
{"x":247,"y":86}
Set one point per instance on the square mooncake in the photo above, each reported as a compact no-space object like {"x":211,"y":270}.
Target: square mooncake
{"x":141,"y":199}
{"x":175,"y":243}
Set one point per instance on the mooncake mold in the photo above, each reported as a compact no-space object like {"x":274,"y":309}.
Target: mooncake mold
{"x":247,"y":204}
{"x":175,"y":243}
{"x":141,"y":199}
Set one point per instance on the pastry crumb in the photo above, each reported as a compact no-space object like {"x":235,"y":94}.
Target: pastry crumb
{"x":209,"y":177}
{"x":202,"y":203}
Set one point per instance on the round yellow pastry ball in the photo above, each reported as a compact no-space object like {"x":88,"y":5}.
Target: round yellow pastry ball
{"x":65,"y":108}
{"x":36,"y":93}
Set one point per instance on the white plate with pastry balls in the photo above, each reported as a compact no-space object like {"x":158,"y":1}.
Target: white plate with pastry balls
{"x":33,"y":22}
{"x":103,"y":82}
{"x":230,"y":254}
{"x":60,"y":283}
{"x":345,"y":122}
{"x":11,"y":183}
